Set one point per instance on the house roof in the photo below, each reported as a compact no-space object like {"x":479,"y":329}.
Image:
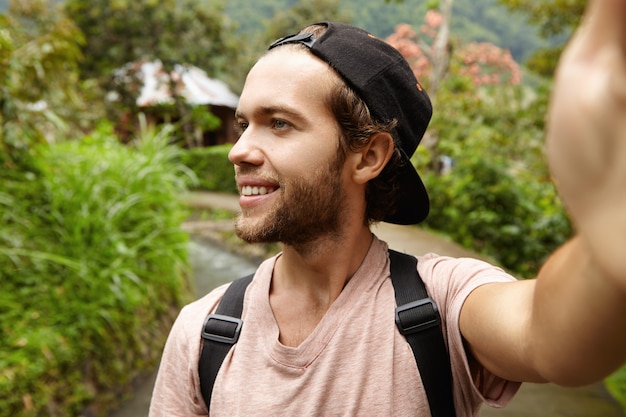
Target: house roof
{"x":197,"y":88}
{"x":190,"y":82}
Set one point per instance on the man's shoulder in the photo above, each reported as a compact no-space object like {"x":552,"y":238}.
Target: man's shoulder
{"x":435,"y":263}
{"x":193,"y":313}
{"x":449,"y":275}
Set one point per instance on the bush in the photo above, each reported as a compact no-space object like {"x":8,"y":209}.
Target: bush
{"x":93,"y":264}
{"x":516,"y":221}
{"x":498,"y":198}
{"x":212,"y":168}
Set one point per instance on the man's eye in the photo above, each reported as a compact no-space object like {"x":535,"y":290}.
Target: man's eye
{"x":240,"y":127}
{"x":280,"y":124}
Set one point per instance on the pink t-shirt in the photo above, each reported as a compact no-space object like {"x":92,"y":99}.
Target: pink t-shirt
{"x":355,"y":362}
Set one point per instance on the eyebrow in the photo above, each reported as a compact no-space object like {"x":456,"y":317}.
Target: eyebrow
{"x":265,"y":111}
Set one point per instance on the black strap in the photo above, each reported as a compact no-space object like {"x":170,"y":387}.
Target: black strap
{"x":417,"y":318}
{"x":220,"y":332}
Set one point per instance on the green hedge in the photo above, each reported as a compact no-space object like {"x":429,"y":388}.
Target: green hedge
{"x":93,"y":268}
{"x":515,"y":220}
{"x":212,"y":168}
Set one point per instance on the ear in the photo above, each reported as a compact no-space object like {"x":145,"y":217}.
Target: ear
{"x":371,"y":160}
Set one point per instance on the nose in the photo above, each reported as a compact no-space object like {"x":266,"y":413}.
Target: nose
{"x":246,"y":150}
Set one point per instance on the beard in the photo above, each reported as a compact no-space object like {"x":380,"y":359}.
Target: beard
{"x":309,"y":208}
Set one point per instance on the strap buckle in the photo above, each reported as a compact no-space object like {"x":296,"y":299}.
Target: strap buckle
{"x":417,"y":316}
{"x":222,"y":329}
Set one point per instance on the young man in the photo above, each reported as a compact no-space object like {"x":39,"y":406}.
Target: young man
{"x":328,"y":120}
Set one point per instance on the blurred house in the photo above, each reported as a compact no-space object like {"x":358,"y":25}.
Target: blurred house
{"x":158,"y":94}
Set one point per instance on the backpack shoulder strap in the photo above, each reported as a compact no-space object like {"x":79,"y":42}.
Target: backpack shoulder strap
{"x":418,"y":319}
{"x":220,"y":332}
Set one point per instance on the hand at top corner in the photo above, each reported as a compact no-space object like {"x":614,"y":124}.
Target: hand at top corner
{"x":587,"y":134}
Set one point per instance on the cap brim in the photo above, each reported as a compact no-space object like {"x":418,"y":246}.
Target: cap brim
{"x":413,"y":204}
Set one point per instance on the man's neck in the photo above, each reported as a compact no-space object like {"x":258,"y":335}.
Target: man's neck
{"x":306,"y":282}
{"x":327,"y":263}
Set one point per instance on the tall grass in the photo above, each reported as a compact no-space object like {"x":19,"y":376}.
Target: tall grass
{"x":92,"y":267}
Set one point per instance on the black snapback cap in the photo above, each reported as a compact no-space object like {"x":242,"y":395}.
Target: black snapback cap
{"x":383,"y":79}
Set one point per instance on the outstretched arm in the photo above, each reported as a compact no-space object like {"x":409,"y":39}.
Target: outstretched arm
{"x":569,"y":325}
{"x":587,"y":134}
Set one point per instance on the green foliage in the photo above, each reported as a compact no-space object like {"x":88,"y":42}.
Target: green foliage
{"x":92,"y":263}
{"x":120,"y":35}
{"x":202,"y":117}
{"x":174,"y":31}
{"x":555,"y":20}
{"x":488,"y":21}
{"x":473,"y":20}
{"x":301,"y":14}
{"x":212,"y":168}
{"x":616,"y":384}
{"x":544,"y":61}
{"x":40,"y":97}
{"x":498,"y":198}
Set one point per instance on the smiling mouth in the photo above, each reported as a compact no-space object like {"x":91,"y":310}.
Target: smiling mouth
{"x":249,"y":190}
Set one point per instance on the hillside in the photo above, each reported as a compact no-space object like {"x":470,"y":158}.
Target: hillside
{"x":473,"y":20}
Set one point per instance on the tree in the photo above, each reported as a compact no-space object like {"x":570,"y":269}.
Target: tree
{"x":173,"y":31}
{"x":487,"y":64}
{"x":301,"y":14}
{"x":428,"y":54}
{"x":556,"y":20}
{"x":441,"y":43}
{"x":40,"y":98}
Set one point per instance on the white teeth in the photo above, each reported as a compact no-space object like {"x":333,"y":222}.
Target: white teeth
{"x":250,"y":190}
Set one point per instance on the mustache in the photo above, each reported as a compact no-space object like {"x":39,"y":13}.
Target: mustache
{"x":257,"y":173}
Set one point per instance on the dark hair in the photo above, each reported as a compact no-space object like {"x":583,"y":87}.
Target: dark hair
{"x":357,"y":128}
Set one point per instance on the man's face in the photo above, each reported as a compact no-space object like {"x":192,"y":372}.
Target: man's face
{"x":307,"y":207}
{"x":286,"y":161}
